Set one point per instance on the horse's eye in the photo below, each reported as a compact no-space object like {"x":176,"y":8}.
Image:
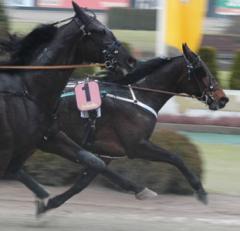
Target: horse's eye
{"x":200,"y":72}
{"x":103,"y":31}
{"x":99,"y":31}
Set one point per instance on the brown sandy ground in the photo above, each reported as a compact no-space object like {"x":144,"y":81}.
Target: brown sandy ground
{"x":101,"y":209}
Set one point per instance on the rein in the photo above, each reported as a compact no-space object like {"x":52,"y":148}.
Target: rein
{"x":163,"y":92}
{"x":153,"y":90}
{"x":52,"y":67}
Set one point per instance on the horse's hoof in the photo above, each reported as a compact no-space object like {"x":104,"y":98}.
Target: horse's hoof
{"x":41,"y":207}
{"x":202,"y":196}
{"x":146,"y":194}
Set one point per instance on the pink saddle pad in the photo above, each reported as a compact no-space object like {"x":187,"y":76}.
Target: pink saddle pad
{"x":88,"y":96}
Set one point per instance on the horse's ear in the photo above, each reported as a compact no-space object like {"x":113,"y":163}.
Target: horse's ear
{"x":76,"y":7}
{"x":184,"y":48}
{"x":80,"y":13}
{"x":188,"y":53}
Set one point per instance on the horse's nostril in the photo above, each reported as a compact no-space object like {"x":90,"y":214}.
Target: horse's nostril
{"x":226,"y":99}
{"x":223,"y":101}
{"x":131,"y":62}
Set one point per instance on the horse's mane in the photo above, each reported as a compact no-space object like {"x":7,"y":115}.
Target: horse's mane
{"x":143,"y":69}
{"x":21,"y":49}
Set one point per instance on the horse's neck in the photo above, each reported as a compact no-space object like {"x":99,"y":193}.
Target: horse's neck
{"x":46,"y":86}
{"x":164,"y":78}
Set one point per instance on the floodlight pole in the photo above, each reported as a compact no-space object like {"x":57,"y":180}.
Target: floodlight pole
{"x":160,"y":47}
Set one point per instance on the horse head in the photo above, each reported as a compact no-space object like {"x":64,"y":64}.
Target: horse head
{"x":100,"y":43}
{"x":203,"y":84}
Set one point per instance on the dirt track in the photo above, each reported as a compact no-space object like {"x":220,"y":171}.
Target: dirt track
{"x":98,"y":209}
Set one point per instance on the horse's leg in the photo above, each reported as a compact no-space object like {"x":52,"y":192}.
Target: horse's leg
{"x":65,"y":147}
{"x":150,"y":151}
{"x":40,"y":193}
{"x":141,"y":193}
{"x":31,"y":184}
{"x":85,"y":178}
{"x":15,"y":170}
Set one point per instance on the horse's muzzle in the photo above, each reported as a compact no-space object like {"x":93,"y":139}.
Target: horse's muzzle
{"x":215,"y":105}
{"x":132,"y":62}
{"x":222,"y":102}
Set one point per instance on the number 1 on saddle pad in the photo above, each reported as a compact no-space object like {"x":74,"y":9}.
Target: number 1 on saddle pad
{"x":88,"y":96}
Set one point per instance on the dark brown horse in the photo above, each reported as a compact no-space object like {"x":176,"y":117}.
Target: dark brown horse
{"x":129,"y":114}
{"x":28,"y":98}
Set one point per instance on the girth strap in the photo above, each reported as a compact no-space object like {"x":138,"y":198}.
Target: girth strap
{"x":90,"y":128}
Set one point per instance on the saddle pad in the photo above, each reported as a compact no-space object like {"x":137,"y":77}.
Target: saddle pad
{"x":88,"y":96}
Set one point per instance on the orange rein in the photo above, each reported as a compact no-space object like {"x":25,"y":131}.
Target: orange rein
{"x":52,"y":67}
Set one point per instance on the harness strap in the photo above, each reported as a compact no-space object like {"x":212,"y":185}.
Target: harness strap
{"x":140,"y":104}
{"x":133,"y":101}
{"x":111,"y":157}
{"x":132,"y":93}
{"x":90,"y":129}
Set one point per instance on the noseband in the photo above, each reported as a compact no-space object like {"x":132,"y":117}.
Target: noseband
{"x":110,"y":55}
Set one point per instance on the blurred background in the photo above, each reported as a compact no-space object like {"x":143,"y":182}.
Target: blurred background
{"x":209,"y":141}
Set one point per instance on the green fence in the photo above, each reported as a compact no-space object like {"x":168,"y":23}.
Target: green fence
{"x":132,"y":19}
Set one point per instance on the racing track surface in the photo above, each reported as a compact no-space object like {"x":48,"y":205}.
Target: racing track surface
{"x":101,"y":209}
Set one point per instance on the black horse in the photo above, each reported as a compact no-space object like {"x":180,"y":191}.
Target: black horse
{"x":129,"y":114}
{"x":29,"y":98}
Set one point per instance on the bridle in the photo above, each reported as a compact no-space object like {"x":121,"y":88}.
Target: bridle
{"x":110,"y":51}
{"x":110,"y":55}
{"x":208,"y":91}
